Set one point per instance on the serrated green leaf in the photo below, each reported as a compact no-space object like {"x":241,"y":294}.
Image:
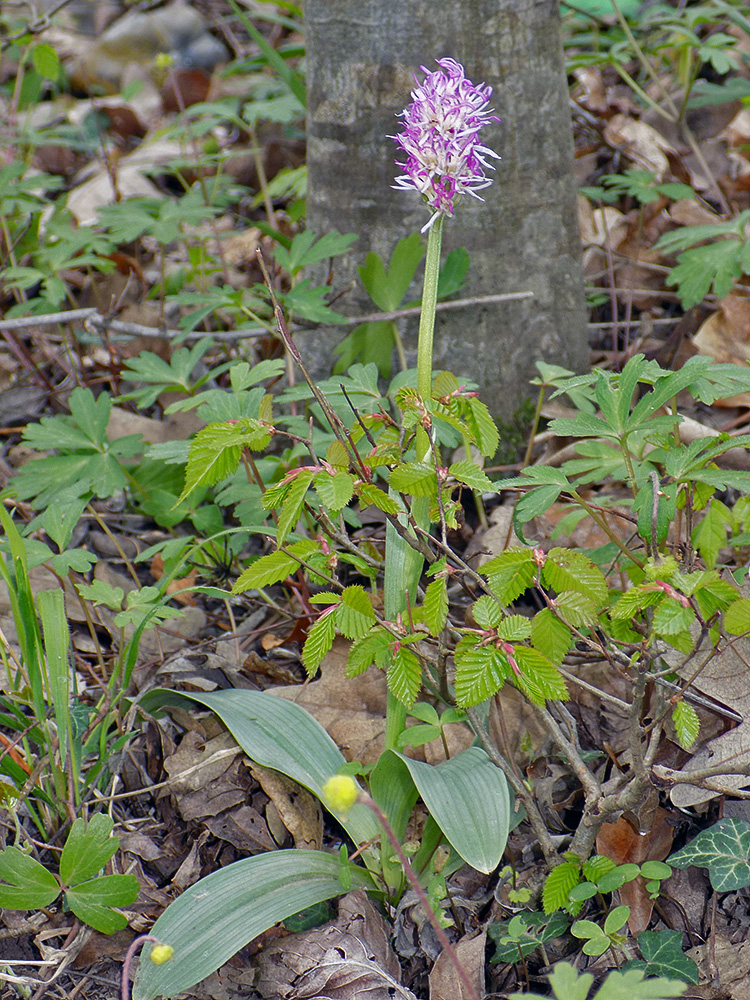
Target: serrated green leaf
{"x":724,"y":849}
{"x":46,"y":61}
{"x":535,"y":502}
{"x":374,"y":648}
{"x":551,"y":636}
{"x":318,"y":642}
{"x":480,"y":671}
{"x":377,"y":498}
{"x":576,"y":609}
{"x":354,"y":615}
{"x":215,"y":451}
{"x":558,"y":884}
{"x":334,"y":491}
{"x":91,"y":901}
{"x":482,"y":427}
{"x":514,"y":628}
{"x":472,"y":476}
{"x":737,"y":617}
{"x":435,"y":606}
{"x":671,"y":618}
{"x":596,"y":867}
{"x":486,"y":612}
{"x":540,"y":679}
{"x":415,"y":478}
{"x":274,"y":567}
{"x":405,"y":676}
{"x":292,"y":505}
{"x":510,"y":574}
{"x":566,"y":569}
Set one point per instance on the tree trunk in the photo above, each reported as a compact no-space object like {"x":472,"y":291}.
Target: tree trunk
{"x":361,"y":59}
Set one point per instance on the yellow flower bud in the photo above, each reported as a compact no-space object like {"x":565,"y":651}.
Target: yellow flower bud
{"x":161,"y":953}
{"x":340,"y":792}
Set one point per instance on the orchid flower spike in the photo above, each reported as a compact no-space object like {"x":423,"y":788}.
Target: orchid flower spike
{"x":441,"y":138}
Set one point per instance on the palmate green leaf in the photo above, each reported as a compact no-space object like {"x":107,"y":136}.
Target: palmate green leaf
{"x":388,"y":288}
{"x":335,"y":491}
{"x":29,"y":885}
{"x":566,"y":569}
{"x":540,"y":679}
{"x":716,"y":265}
{"x":87,"y":849}
{"x":558,"y":884}
{"x":374,"y":648}
{"x":274,"y":567}
{"x":663,"y":955}
{"x":435,"y":606}
{"x":354,"y":614}
{"x":472,"y":476}
{"x":415,"y":478}
{"x":405,"y":675}
{"x":551,"y":636}
{"x":213,"y":919}
{"x":724,"y":849}
{"x":480,"y":671}
{"x":318,"y":642}
{"x":511,"y":573}
{"x":468,"y":798}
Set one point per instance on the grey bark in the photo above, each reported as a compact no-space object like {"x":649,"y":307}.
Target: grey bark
{"x":361,"y":59}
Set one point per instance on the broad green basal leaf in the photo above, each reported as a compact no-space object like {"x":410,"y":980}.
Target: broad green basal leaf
{"x":468,"y":798}
{"x":217,"y":916}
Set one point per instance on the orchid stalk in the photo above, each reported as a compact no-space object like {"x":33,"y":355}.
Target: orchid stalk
{"x":444,"y":160}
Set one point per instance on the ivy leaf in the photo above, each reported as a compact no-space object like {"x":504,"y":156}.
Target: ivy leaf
{"x":472,"y":476}
{"x":435,"y":606}
{"x":686,"y":723}
{"x":523,"y":934}
{"x":551,"y":636}
{"x":663,"y":954}
{"x":335,"y":491}
{"x":354,"y":615}
{"x":724,"y":849}
{"x":405,"y":676}
{"x":319,"y":641}
{"x":511,"y":573}
{"x":415,"y":478}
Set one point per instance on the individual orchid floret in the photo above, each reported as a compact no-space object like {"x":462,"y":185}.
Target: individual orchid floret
{"x":441,"y":138}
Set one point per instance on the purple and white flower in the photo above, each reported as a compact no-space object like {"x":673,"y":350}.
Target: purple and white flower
{"x":441,"y":138}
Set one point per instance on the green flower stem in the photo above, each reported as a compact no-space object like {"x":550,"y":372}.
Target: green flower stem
{"x":427,"y":325}
{"x":403,"y":565}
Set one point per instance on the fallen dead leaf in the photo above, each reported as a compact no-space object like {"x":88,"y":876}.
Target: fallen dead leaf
{"x":446,"y":984}
{"x":299,"y":811}
{"x":640,"y":143}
